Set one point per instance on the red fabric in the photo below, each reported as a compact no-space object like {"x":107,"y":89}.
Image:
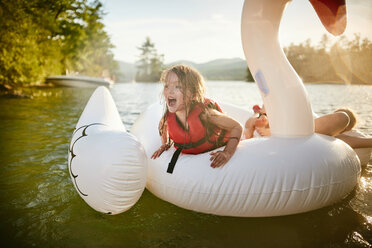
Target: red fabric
{"x":196,"y":131}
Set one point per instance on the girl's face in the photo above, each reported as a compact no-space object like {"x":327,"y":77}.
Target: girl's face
{"x":173,"y":93}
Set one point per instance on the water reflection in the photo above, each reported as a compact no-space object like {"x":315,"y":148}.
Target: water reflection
{"x":39,"y":206}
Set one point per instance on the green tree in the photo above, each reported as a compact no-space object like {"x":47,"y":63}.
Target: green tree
{"x":344,"y":61}
{"x":44,"y":37}
{"x":87,"y":49}
{"x":324,"y":42}
{"x":150,"y":63}
{"x":312,"y":64}
{"x":352,"y":60}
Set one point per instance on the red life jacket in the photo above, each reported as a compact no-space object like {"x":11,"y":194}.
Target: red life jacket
{"x":195,"y":139}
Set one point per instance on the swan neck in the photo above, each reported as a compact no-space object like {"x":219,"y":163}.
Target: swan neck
{"x":283,"y":93}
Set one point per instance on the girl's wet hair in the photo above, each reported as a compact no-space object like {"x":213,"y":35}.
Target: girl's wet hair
{"x":191,"y":80}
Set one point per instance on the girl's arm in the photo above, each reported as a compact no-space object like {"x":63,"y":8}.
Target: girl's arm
{"x":164,"y":138}
{"x":220,"y":158}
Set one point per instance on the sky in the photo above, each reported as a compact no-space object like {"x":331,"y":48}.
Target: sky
{"x":204,"y":30}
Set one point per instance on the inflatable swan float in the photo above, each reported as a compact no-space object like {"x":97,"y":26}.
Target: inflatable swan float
{"x":291,"y":172}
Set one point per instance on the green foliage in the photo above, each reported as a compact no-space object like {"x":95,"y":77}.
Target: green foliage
{"x":150,"y":64}
{"x":344,"y":61}
{"x":352,"y":60}
{"x":45,"y":37}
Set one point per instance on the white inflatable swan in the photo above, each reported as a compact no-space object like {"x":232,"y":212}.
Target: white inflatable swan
{"x":291,"y":172}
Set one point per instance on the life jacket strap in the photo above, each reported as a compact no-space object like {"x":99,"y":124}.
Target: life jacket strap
{"x":191,"y":145}
{"x":173,"y":161}
{"x":219,"y":142}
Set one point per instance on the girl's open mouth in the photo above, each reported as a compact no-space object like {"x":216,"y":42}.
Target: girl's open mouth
{"x":172,"y":102}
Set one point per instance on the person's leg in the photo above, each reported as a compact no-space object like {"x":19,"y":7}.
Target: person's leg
{"x":352,"y":117}
{"x":338,"y":122}
{"x":261,"y":121}
{"x":262,"y":126}
{"x":332,"y":124}
{"x":249,"y":128}
{"x":355,"y":142}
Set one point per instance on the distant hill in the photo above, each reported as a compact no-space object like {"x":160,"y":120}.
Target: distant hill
{"x":219,"y":69}
{"x":224,"y":69}
{"x":184,"y":62}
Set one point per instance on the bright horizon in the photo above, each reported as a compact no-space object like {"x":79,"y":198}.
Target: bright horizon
{"x":205,"y":30}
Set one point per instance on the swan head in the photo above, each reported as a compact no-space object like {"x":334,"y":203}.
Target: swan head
{"x":332,"y":14}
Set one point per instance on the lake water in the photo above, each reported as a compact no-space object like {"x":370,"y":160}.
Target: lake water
{"x":40,"y":208}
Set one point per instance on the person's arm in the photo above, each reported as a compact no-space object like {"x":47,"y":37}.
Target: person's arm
{"x":220,"y":158}
{"x":164,"y":139}
{"x":249,"y":127}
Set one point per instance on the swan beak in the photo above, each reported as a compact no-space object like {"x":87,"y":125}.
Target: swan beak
{"x":332,"y":13}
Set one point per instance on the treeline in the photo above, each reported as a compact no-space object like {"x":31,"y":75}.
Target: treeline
{"x":344,"y":61}
{"x":150,"y":65}
{"x":47,"y":37}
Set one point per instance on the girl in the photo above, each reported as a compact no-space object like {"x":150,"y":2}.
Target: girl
{"x":193,"y":123}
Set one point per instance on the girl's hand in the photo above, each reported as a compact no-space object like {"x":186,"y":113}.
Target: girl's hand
{"x":219,"y":158}
{"x":158,"y":152}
